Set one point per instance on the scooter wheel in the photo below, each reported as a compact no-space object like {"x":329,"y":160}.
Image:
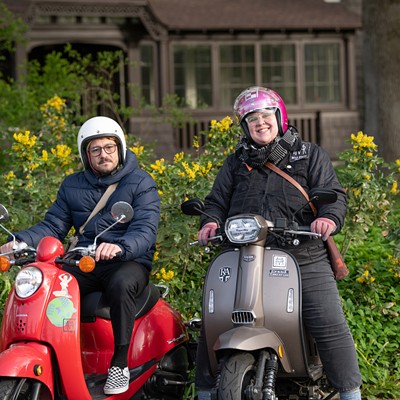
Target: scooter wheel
{"x":19,"y":389}
{"x":237,"y":373}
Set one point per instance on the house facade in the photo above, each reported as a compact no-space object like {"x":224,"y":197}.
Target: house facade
{"x":207,"y":51}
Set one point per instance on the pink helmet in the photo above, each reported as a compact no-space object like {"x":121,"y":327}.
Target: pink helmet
{"x":256,"y":98}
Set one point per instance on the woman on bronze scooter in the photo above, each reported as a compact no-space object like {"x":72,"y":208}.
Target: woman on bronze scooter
{"x":245,"y":185}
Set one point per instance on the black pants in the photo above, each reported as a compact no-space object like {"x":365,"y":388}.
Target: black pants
{"x":322,"y":314}
{"x":122,"y":282}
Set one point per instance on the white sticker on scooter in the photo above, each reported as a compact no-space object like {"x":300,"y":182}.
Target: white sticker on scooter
{"x":279,"y":266}
{"x":224,"y":274}
{"x":279,"y":261}
{"x":65,"y":279}
{"x":60,"y":309}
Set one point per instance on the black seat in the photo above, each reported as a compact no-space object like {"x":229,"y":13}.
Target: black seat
{"x":95,"y":304}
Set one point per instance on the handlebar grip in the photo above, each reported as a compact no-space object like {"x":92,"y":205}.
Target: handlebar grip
{"x":66,"y":261}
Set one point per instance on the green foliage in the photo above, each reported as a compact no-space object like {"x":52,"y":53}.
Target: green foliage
{"x":371,"y":294}
{"x":187,"y":176}
{"x":37,"y":120}
{"x":11,"y":29}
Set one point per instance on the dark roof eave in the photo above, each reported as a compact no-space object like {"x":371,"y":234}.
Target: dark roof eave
{"x":260,"y":31}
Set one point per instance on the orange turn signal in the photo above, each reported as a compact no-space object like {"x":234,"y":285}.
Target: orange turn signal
{"x":87,"y":264}
{"x":4,"y":264}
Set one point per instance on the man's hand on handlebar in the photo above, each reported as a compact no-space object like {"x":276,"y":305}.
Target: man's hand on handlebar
{"x":107,"y":251}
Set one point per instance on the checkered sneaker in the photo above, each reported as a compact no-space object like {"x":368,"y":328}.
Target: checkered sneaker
{"x":117,"y":380}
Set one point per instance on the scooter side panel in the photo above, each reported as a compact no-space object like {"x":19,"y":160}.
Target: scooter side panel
{"x":97,"y":343}
{"x":156,"y":333}
{"x":21,"y":360}
{"x":219,"y":299}
{"x":282,"y":305}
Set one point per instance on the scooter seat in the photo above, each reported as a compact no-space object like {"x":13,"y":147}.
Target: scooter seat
{"x":95,"y":305}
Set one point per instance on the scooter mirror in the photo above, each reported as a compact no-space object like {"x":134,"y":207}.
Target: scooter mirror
{"x":4,"y":216}
{"x":193,"y":207}
{"x":319,"y":196}
{"x":122,"y":209}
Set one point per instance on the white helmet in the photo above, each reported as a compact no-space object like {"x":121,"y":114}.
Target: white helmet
{"x":98,"y":127}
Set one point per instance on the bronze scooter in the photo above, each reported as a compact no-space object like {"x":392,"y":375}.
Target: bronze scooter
{"x":256,"y":344}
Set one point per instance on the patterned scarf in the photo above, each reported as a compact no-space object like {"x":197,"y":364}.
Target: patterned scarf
{"x":274,"y":152}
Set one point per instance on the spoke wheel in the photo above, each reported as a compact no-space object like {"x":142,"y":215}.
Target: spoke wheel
{"x":236,"y":374}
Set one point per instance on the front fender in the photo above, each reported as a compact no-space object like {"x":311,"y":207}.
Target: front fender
{"x":28,"y":360}
{"x":249,"y":338}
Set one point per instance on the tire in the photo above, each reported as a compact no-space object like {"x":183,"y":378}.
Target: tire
{"x":237,"y":372}
{"x":20,"y":387}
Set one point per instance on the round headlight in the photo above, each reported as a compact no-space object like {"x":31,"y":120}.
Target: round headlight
{"x":243,"y":229}
{"x":28,"y":281}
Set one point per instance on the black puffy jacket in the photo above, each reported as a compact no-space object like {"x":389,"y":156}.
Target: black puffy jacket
{"x":77,"y":197}
{"x":239,"y":189}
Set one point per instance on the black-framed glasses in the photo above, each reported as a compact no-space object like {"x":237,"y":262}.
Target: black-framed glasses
{"x":264,"y":115}
{"x":108,"y":148}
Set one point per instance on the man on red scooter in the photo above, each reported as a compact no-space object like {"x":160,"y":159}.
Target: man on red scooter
{"x":123,"y":256}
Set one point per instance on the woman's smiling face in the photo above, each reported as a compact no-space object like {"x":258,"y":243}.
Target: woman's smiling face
{"x":263,"y":126}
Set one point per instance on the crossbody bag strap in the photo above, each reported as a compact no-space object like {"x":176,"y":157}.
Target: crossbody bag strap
{"x":100,"y":205}
{"x":284,"y":175}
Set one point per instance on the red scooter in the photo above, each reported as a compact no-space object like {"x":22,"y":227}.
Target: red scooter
{"x":52,"y":346}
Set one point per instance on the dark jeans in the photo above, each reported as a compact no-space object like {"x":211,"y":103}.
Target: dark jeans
{"x":122,"y":282}
{"x":323,"y":316}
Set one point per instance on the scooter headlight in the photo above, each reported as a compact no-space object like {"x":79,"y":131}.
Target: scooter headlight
{"x":244,"y":229}
{"x":28,"y":281}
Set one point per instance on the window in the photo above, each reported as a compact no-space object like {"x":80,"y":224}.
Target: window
{"x":192,"y":74}
{"x":147,"y":73}
{"x":322,"y":73}
{"x":237,"y":71}
{"x":306,"y":73}
{"x":278,"y":70}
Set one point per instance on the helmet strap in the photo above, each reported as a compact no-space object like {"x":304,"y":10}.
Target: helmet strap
{"x":284,"y":144}
{"x":275,"y":151}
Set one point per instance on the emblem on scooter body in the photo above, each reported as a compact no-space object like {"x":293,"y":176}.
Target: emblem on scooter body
{"x":224,"y":274}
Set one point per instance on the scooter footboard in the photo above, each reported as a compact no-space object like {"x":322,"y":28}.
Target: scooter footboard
{"x":28,"y":360}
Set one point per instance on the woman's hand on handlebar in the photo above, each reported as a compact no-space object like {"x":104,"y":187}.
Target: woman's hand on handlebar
{"x":107,"y":251}
{"x":207,"y":231}
{"x":323,"y":226}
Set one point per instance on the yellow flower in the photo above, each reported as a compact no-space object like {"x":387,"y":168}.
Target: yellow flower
{"x":25,"y":139}
{"x":167,"y":275}
{"x":62,"y":152}
{"x":45,"y":155}
{"x":363,"y":142}
{"x":394,"y":188}
{"x":178,"y":157}
{"x":55,"y":102}
{"x":155,"y":258}
{"x":138,"y":150}
{"x":33,"y":166}
{"x":9,"y":176}
{"x":365,"y":278}
{"x":159,"y":166}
